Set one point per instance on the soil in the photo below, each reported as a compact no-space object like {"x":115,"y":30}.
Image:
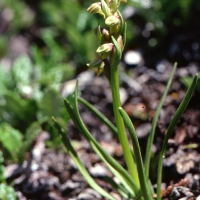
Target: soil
{"x":51,"y":174}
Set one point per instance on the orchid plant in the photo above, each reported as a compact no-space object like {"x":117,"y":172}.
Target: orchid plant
{"x":134,"y":182}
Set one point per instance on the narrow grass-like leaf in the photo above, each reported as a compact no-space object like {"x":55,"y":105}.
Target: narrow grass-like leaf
{"x":73,"y":115}
{"x":143,"y":182}
{"x":153,"y":127}
{"x":170,"y":129}
{"x":79,"y":164}
{"x":115,"y":167}
{"x":104,"y":119}
{"x":151,"y":187}
{"x":123,"y":182}
{"x":118,"y":187}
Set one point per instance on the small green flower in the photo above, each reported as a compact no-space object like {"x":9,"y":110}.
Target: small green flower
{"x":94,"y":8}
{"x":112,"y":20}
{"x":105,"y":48}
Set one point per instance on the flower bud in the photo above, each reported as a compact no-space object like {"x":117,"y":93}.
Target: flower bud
{"x":112,"y":20}
{"x":105,"y":48}
{"x":105,"y":34}
{"x":94,"y":8}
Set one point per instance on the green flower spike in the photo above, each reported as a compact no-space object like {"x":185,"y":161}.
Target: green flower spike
{"x":94,"y":8}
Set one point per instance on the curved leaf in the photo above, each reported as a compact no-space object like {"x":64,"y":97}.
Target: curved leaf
{"x":143,"y":183}
{"x":170,"y":129}
{"x":153,"y":127}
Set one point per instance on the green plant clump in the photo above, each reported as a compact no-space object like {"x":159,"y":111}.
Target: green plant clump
{"x":28,"y":96}
{"x":6,"y":192}
{"x":134,"y":183}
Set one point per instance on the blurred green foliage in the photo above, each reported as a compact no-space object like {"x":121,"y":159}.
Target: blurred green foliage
{"x":6,"y":192}
{"x":29,"y":97}
{"x":2,"y":168}
{"x":61,"y":25}
{"x":11,"y":140}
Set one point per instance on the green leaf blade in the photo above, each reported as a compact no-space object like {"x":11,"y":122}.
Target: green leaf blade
{"x":153,"y":127}
{"x":143,"y":183}
{"x":170,"y":129}
{"x":104,"y":119}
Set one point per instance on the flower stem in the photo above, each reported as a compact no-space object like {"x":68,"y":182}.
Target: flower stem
{"x":114,"y":84}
